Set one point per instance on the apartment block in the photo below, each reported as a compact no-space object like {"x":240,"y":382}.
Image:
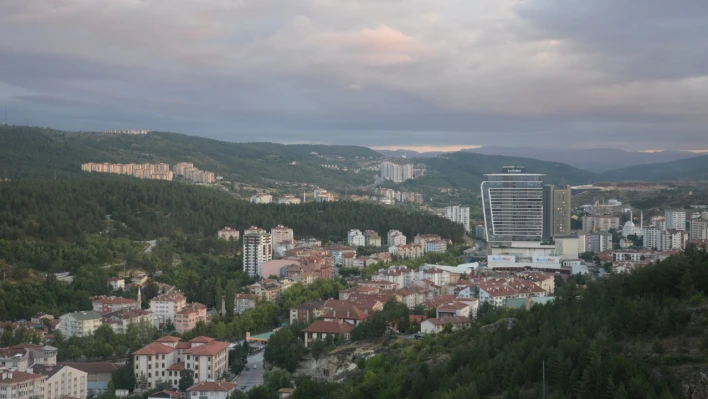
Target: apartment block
{"x":80,"y":324}
{"x":112,"y":303}
{"x":188,"y":317}
{"x":459,"y":214}
{"x":227,"y":233}
{"x":394,"y":238}
{"x":63,"y":382}
{"x":164,"y":307}
{"x":21,"y":385}
{"x":257,"y":250}
{"x":355,"y":238}
{"x":600,"y":223}
{"x":675,"y":219}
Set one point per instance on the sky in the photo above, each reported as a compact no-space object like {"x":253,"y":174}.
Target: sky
{"x":630,"y":74}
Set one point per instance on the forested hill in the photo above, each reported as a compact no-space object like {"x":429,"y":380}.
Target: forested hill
{"x":27,"y":152}
{"x":52,"y":211}
{"x":467,"y":169}
{"x":684,"y":169}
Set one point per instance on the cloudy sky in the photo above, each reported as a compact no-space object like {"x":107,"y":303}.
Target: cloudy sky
{"x":384,"y":73}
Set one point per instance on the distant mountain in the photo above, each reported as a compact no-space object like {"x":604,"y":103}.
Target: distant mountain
{"x":347,"y":151}
{"x":27,"y":152}
{"x":596,"y":159}
{"x":466,"y":170}
{"x":695,"y":168}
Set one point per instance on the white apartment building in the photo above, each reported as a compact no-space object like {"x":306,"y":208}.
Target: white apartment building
{"x":459,"y":214}
{"x":665,"y":240}
{"x":63,"y":381}
{"x":20,"y":385}
{"x":699,"y":229}
{"x":355,"y":238}
{"x":395,"y":172}
{"x":372,"y":238}
{"x":164,"y":307}
{"x":600,"y":242}
{"x":411,"y":251}
{"x":112,"y":303}
{"x":290,"y":200}
{"x":652,"y":237}
{"x":80,"y":324}
{"x":257,"y":250}
{"x":281,"y":235}
{"x":337,"y":252}
{"x":261,"y":198}
{"x":116,"y":283}
{"x":165,"y":359}
{"x":227,"y":233}
{"x":395,"y":238}
{"x":675,"y":219}
{"x":436,"y":246}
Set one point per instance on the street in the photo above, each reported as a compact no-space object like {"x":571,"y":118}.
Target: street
{"x":252,"y":377}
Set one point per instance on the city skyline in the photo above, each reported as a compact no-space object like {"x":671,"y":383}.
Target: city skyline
{"x":627,"y":75}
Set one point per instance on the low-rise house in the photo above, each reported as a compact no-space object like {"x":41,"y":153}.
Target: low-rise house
{"x":187,"y":318}
{"x":381,"y":285}
{"x":63,"y":381}
{"x":98,"y":377}
{"x":268,"y":290}
{"x":40,"y":317}
{"x":435,"y":246}
{"x":436,"y":325}
{"x":286,"y":393}
{"x":104,"y":304}
{"x":116,"y":283}
{"x":211,"y":389}
{"x":345,"y":311}
{"x":21,"y":385}
{"x":243,"y":302}
{"x":496,"y":294}
{"x":80,"y":324}
{"x":165,"y":395}
{"x":323,"y":329}
{"x":547,"y":281}
{"x":410,"y":251}
{"x":452,"y":309}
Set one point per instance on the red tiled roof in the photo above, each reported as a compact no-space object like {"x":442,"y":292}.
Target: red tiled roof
{"x":18,"y":376}
{"x":329,"y":327}
{"x":210,"y":349}
{"x":212,"y":386}
{"x":101,"y":368}
{"x":154,"y":349}
{"x":177,"y":367}
{"x":201,"y":339}
{"x":183,"y":345}
{"x":171,"y":394}
{"x":168,"y":338}
{"x":452,"y":306}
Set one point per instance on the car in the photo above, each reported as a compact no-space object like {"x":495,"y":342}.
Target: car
{"x":419,"y":336}
{"x":255,"y":366}
{"x":248,"y":369}
{"x":243,"y":387}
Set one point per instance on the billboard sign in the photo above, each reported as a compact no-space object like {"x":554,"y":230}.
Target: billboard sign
{"x":546,"y":259}
{"x":501,"y":259}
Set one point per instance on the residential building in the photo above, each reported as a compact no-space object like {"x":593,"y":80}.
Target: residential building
{"x":80,"y":324}
{"x":459,"y":214}
{"x":453,"y":309}
{"x":63,"y":381}
{"x":567,"y":246}
{"x":394,"y":238}
{"x":664,"y":240}
{"x":435,"y":246}
{"x":290,"y":200}
{"x":243,"y":302}
{"x":106,"y":304}
{"x":395,"y":172}
{"x":257,"y":250}
{"x":355,"y":238}
{"x":189,"y":172}
{"x":323,"y":329}
{"x":120,"y":319}
{"x":422,"y":239}
{"x":306,"y":312}
{"x":282,"y":235}
{"x":372,"y":238}
{"x":699,"y":229}
{"x":164,"y":307}
{"x":227,"y":233}
{"x":165,"y":359}
{"x":600,"y":223}
{"x":188,"y":317}
{"x":495,"y":294}
{"x":411,"y":251}
{"x":437,"y":325}
{"x":165,"y":394}
{"x":22,"y":356}
{"x":261,"y":198}
{"x":211,"y":390}
{"x":21,"y":385}
{"x":269,"y":290}
{"x":99,"y":375}
{"x":675,"y":219}
{"x":546,"y":281}
{"x":159,"y":171}
{"x":337,"y":251}
{"x":556,"y":211}
{"x":600,"y":241}
{"x":344,"y":311}
{"x":116,"y":283}
{"x":512,"y":205}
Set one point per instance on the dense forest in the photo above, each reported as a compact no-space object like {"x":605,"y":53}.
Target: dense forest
{"x":632,"y":336}
{"x":139,"y":209}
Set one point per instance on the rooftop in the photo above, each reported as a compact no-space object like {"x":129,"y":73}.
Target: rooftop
{"x":329,"y":327}
{"x":212,"y":386}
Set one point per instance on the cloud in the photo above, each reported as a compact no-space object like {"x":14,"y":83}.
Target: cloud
{"x":454,"y":73}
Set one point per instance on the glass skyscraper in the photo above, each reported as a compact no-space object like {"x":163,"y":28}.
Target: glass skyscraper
{"x":512,"y":203}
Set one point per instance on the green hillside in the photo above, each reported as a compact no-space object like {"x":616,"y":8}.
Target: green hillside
{"x":27,"y":152}
{"x":684,"y":169}
{"x":466,"y":170}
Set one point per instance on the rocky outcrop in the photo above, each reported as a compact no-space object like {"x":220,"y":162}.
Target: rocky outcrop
{"x":694,"y":381}
{"x":507,"y":323}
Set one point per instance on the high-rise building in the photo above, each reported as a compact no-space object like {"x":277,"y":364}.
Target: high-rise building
{"x":601,"y":242}
{"x":512,"y":203}
{"x":556,"y":211}
{"x":699,"y":229}
{"x":675,"y":219}
{"x":459,"y":214}
{"x":257,"y":250}
{"x":407,"y":171}
{"x":281,"y":235}
{"x":600,"y":223}
{"x":395,"y":172}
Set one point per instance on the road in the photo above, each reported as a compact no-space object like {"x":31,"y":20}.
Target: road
{"x":252,"y":377}
{"x":152,"y":245}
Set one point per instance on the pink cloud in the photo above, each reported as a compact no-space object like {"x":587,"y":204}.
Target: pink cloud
{"x":377,"y":47}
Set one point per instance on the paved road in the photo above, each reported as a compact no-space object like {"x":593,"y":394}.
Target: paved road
{"x":252,"y":377}
{"x":152,"y":245}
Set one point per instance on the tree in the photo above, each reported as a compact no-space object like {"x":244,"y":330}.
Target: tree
{"x":237,"y":394}
{"x":124,"y":378}
{"x":284,"y":349}
{"x":261,"y":392}
{"x":277,"y":378}
{"x":186,"y":380}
